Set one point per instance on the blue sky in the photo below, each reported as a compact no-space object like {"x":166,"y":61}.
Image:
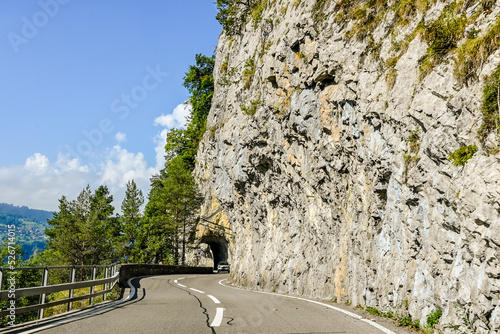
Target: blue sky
{"x":88,"y":90}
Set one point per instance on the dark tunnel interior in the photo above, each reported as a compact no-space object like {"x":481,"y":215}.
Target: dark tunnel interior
{"x":218,"y":246}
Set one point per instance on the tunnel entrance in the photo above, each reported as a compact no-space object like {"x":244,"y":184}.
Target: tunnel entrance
{"x":218,"y":246}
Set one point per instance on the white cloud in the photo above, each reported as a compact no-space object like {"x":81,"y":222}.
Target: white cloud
{"x":160,"y":141}
{"x":64,"y":164}
{"x":122,"y":166}
{"x":37,"y":164}
{"x":121,"y":137}
{"x":177,"y":119}
{"x":40,"y":183}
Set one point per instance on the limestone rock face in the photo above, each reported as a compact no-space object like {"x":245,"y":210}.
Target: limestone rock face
{"x":333,"y":169}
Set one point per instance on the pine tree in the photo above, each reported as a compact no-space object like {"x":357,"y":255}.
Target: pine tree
{"x":83,"y":231}
{"x":131,"y":210}
{"x":182,"y":203}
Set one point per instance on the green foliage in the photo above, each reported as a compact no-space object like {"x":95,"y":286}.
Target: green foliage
{"x":234,"y":14}
{"x":171,"y":214}
{"x":491,"y":106}
{"x":407,"y":9}
{"x":407,"y":321}
{"x":367,"y":17}
{"x":131,"y":209}
{"x":23,"y":279}
{"x":318,"y":11}
{"x":414,"y":142}
{"x":83,"y":231}
{"x":248,"y":72}
{"x":442,"y":36}
{"x":433,"y":318}
{"x":461,"y":155}
{"x":474,"y":52}
{"x":373,"y":310}
{"x":252,"y":108}
{"x":224,"y":65}
{"x":257,"y":9}
{"x":200,"y":84}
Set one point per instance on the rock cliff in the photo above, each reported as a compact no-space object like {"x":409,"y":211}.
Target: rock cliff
{"x":349,"y":152}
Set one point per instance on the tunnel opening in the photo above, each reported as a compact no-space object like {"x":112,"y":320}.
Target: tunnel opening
{"x":218,"y":246}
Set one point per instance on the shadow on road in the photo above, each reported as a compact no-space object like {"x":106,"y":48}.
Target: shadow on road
{"x":86,"y":313}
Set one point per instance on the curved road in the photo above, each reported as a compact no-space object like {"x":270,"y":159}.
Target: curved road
{"x":203,"y":304}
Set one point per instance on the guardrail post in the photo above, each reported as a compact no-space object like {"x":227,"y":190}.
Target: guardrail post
{"x":115,"y":269}
{"x":71,"y":291}
{"x":105,"y":287}
{"x":45,"y":277}
{"x":92,"y":288}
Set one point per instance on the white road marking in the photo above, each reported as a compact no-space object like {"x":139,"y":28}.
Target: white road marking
{"x":216,"y":301}
{"x":218,"y":317}
{"x":374,"y":324}
{"x":181,"y":278}
{"x":196,"y":290}
{"x":179,"y":284}
{"x":175,"y":281}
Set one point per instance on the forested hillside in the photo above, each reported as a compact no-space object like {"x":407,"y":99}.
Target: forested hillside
{"x":30,"y":226}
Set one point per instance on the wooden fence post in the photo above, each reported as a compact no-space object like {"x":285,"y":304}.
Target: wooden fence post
{"x":45,"y":277}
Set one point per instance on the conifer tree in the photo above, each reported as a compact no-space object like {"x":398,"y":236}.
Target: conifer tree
{"x":131,"y":210}
{"x":83,"y":231}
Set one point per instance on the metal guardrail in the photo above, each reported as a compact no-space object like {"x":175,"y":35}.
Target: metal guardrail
{"x":111,"y":276}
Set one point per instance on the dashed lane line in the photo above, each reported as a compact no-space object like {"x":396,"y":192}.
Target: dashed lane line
{"x":216,"y":301}
{"x":218,"y":317}
{"x":199,"y":291}
{"x":179,"y":284}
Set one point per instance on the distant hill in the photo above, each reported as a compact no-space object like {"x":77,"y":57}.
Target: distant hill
{"x":30,"y":226}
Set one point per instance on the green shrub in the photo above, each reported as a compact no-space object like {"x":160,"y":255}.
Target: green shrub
{"x":252,"y":108}
{"x":406,"y":10}
{"x":248,"y":72}
{"x":442,"y":36}
{"x":433,"y":318}
{"x":405,"y":321}
{"x":224,"y":65}
{"x":474,"y":52}
{"x":491,"y":106}
{"x":373,"y":310}
{"x":257,"y":10}
{"x":233,"y":15}
{"x":463,"y":154}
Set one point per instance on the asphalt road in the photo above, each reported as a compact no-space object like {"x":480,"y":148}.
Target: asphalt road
{"x":203,"y":304}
